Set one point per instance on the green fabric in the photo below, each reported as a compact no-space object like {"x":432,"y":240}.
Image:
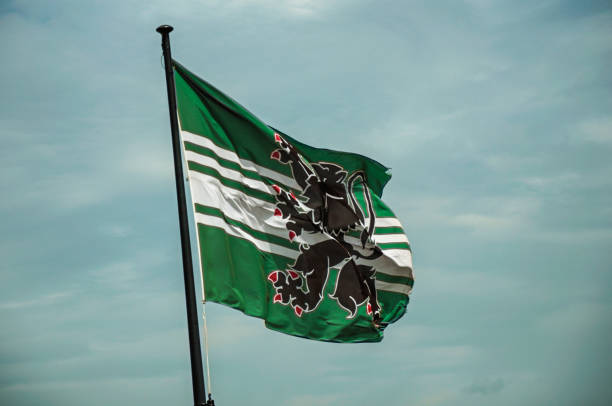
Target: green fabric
{"x":205,"y":110}
{"x":235,"y":275}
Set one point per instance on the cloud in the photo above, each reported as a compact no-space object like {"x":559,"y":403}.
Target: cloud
{"x":130,"y":272}
{"x":116,"y":230}
{"x":479,"y":222}
{"x":470,"y":283}
{"x":237,"y":328}
{"x":436,"y":357}
{"x":292,"y":9}
{"x":486,"y":386}
{"x":44,"y":300}
{"x":323,"y":400}
{"x":167,"y":389}
{"x":566,"y":179}
{"x":597,"y":130}
{"x":497,"y":215}
{"x":586,"y":316}
{"x":492,"y":215}
{"x":81,"y":175}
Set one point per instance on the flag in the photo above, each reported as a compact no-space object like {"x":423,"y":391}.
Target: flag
{"x":295,"y":235}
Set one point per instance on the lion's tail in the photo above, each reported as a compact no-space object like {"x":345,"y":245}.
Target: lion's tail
{"x":368,"y":231}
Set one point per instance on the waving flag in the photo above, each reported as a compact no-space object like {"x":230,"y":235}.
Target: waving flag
{"x":292,"y":234}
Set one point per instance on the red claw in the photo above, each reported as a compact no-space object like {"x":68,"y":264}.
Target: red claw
{"x":277,"y":298}
{"x":273,"y":277}
{"x":298,"y":311}
{"x":293,"y":274}
{"x":275,"y":155}
{"x":369,"y":308}
{"x":277,"y":189}
{"x":277,"y":212}
{"x":292,"y":235}
{"x":277,"y":137}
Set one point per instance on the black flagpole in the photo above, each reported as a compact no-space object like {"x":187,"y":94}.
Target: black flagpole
{"x":197,"y":375}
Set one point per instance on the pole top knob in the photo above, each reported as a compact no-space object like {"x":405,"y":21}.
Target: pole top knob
{"x":164,"y":29}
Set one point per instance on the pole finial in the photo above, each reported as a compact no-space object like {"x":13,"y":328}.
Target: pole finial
{"x":164,"y":29}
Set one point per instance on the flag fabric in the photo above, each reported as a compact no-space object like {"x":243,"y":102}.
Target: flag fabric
{"x":295,"y":235}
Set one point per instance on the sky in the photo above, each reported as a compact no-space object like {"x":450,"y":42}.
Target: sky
{"x":495,"y":117}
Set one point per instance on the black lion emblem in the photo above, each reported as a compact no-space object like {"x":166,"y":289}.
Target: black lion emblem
{"x":322,"y":214}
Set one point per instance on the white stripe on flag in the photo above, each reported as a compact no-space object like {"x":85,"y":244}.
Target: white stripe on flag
{"x":238,"y":206}
{"x":261,"y":245}
{"x":387,"y":265}
{"x":233,"y":157}
{"x":227,"y":173}
{"x":387,"y":222}
{"x":403,"y":258}
{"x":251,"y":211}
{"x":393,"y":287}
{"x":386,"y":238}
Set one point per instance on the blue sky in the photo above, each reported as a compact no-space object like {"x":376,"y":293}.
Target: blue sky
{"x":495,"y":117}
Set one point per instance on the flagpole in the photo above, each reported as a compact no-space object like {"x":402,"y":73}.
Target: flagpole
{"x":195,"y":351}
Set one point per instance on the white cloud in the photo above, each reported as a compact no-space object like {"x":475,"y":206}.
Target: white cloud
{"x":142,"y":345}
{"x":116,"y":230}
{"x":309,"y":400}
{"x":493,"y":216}
{"x":435,"y":397}
{"x":449,"y":282}
{"x":585,"y":316}
{"x":573,"y":236}
{"x":507,"y":163}
{"x":411,"y":135}
{"x":80,"y":175}
{"x":445,"y":356}
{"x":486,"y":386}
{"x":597,"y":130}
{"x":169,"y":388}
{"x":483,"y":223}
{"x":561,"y":179}
{"x":236,"y":328}
{"x":298,"y":9}
{"x":44,"y":300}
{"x":123,"y":274}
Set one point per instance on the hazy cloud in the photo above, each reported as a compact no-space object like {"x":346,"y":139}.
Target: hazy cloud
{"x":485,"y":387}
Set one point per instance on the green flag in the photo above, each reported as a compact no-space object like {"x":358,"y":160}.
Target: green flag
{"x":292,"y":234}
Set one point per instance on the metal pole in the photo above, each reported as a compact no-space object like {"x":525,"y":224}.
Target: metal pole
{"x":197,"y":375}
